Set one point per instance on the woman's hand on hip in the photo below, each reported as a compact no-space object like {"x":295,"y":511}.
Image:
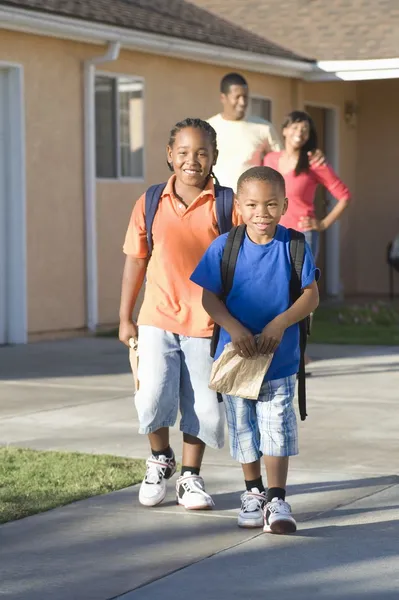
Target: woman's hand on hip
{"x":311,"y":224}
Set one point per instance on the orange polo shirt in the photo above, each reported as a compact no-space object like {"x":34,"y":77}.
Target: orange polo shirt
{"x":181,"y":235}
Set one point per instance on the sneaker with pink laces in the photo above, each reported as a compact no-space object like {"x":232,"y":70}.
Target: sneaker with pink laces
{"x":153,"y":488}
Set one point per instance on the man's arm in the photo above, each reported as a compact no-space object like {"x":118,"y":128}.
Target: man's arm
{"x":270,"y":143}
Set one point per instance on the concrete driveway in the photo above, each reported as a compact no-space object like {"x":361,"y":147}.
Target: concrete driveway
{"x":77,"y":395}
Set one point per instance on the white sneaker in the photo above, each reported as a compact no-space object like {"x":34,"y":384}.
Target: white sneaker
{"x":278,"y":517}
{"x":190,"y":493}
{"x":252,"y":505}
{"x":153,"y":487}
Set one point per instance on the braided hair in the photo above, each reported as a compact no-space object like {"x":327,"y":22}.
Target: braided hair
{"x":196,"y":124}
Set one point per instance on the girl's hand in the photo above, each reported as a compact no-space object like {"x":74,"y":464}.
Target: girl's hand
{"x":311,"y":224}
{"x":127,"y":330}
{"x":270,"y":338}
{"x":243,"y":341}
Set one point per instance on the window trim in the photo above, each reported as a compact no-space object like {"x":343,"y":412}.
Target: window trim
{"x":261,"y":97}
{"x":120,"y":178}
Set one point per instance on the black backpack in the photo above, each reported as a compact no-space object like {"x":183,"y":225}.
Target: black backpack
{"x":297,"y":253}
{"x":224,"y":198}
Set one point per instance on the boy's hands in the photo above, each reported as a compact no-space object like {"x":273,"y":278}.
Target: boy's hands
{"x":267,"y":342}
{"x":271,"y":336}
{"x":127,"y":330}
{"x":243,"y":341}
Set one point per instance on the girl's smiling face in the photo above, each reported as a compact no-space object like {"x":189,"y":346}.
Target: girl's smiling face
{"x":297,"y":134}
{"x":192,"y":156}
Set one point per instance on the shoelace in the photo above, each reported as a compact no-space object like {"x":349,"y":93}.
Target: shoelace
{"x":278,"y":506}
{"x":194,"y":484}
{"x":156,"y":469}
{"x":252,"y":502}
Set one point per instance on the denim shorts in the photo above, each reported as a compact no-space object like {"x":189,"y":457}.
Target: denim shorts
{"x":266,"y":426}
{"x":174,"y":373}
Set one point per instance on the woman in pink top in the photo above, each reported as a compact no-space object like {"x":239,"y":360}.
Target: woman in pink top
{"x":302,"y":179}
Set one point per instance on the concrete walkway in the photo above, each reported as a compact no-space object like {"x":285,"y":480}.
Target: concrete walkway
{"x":344,"y":489}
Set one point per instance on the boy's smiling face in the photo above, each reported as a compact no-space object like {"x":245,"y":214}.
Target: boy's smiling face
{"x":261,"y":205}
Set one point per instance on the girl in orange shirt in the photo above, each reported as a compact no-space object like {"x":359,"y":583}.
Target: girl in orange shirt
{"x":173,"y":328}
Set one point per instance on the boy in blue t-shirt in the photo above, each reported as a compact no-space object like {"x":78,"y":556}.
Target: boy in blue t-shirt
{"x":259,"y":305}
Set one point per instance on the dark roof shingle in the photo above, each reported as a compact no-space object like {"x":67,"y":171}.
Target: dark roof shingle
{"x":176,"y":18}
{"x":325,"y":30}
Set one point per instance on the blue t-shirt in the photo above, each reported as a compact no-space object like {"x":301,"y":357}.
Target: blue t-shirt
{"x":260,"y":291}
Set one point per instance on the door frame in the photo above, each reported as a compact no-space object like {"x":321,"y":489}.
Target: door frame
{"x":16,"y":267}
{"x":333,"y":238}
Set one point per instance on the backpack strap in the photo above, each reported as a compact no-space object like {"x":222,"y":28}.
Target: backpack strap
{"x":229,"y":257}
{"x":228,"y":267}
{"x":224,"y":197}
{"x":297,"y":254}
{"x":152,"y":198}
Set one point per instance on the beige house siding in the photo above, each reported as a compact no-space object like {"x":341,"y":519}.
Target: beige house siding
{"x":174,"y":89}
{"x":54,"y":171}
{"x":377,"y":210}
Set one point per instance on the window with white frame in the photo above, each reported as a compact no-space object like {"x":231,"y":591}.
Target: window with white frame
{"x":260,"y":107}
{"x":119,"y":105}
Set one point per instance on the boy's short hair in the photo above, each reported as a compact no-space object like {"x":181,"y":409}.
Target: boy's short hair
{"x":262,"y":174}
{"x":232,"y":79}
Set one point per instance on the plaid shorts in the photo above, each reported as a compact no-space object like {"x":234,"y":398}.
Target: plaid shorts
{"x":266,"y":426}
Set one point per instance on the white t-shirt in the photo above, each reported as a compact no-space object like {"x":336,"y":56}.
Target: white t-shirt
{"x":237,"y":143}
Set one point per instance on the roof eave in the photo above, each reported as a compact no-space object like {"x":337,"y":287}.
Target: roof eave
{"x":52,"y":25}
{"x":354,"y":70}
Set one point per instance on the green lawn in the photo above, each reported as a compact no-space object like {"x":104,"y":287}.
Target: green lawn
{"x":33,"y":482}
{"x":375,"y":323}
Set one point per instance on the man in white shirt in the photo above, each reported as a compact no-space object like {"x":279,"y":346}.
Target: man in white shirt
{"x":242,"y":141}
